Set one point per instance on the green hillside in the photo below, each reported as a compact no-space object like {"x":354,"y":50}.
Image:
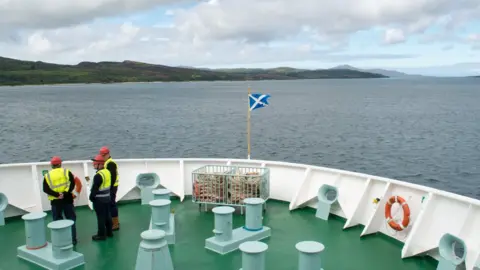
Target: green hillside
{"x":18,"y":72}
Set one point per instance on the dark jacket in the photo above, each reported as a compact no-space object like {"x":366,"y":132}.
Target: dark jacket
{"x":67,"y":196}
{"x":97,"y":182}
{"x":112,"y":167}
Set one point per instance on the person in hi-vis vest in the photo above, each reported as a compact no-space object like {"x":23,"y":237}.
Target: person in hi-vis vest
{"x":113,"y":168}
{"x":58,"y":184}
{"x":100,"y":197}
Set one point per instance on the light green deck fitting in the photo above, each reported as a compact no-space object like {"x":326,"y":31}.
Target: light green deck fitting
{"x":147,"y":182}
{"x":309,"y":255}
{"x":162,"y":219}
{"x":153,"y":252}
{"x":449,"y":260}
{"x":161,"y":193}
{"x":3,"y":206}
{"x":325,"y":201}
{"x":57,"y":255}
{"x":253,"y":255}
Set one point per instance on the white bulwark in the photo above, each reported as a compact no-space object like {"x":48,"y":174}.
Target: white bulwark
{"x":433,"y":213}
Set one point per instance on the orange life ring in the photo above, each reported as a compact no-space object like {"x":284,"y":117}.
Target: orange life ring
{"x":406,"y":213}
{"x":78,"y":187}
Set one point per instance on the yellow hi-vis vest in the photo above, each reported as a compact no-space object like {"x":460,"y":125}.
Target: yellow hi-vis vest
{"x":115,"y":184}
{"x":58,"y":180}
{"x":104,"y":189}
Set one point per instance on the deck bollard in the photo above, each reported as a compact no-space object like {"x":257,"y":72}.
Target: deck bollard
{"x":61,"y":234}
{"x":35,"y":230}
{"x":56,"y":255}
{"x":227,"y":239}
{"x":253,"y":255}
{"x":153,"y":252}
{"x":309,"y":255}
{"x":253,"y":215}
{"x":161,"y":193}
{"x":223,"y":223}
{"x":161,"y":214}
{"x":325,"y":202}
{"x":3,"y":206}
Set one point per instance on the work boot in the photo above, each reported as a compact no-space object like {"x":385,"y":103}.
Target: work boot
{"x":116,"y":225}
{"x":98,"y":238}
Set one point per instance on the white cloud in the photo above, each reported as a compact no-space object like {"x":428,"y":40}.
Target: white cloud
{"x":473,"y":37}
{"x":394,"y":36}
{"x":35,"y":14}
{"x":38,"y":43}
{"x":265,"y":20}
{"x":221,"y":32}
{"x":474,"y":40}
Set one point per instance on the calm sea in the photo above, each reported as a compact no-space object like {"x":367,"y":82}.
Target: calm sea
{"x":424,"y":131}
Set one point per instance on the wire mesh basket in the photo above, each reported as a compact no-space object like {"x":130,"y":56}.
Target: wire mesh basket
{"x":229,"y":185}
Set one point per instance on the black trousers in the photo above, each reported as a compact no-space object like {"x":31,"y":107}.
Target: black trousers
{"x":104,"y":218}
{"x":113,"y":204}
{"x":58,"y":210}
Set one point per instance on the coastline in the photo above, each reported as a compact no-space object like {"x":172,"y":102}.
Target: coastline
{"x":135,"y":82}
{"x":14,"y":72}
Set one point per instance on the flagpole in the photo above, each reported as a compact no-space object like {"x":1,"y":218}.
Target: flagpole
{"x":248,"y":122}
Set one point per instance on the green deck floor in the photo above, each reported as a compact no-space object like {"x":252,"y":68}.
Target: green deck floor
{"x":344,"y":250}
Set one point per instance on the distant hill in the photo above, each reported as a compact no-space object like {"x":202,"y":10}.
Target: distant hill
{"x":18,"y":72}
{"x":261,"y":70}
{"x":385,"y":72}
{"x":300,"y":73}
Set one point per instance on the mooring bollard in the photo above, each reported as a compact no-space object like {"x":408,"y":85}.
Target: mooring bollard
{"x":309,"y":255}
{"x":161,"y":214}
{"x":57,"y":255}
{"x":3,"y":206}
{"x":253,"y":215}
{"x":223,"y":223}
{"x":153,"y":252}
{"x":226,"y":239}
{"x":61,"y":234}
{"x":35,"y":230}
{"x":161,"y":193}
{"x":253,"y":255}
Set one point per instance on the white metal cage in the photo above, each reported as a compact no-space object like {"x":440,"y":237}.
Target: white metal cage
{"x":229,"y":185}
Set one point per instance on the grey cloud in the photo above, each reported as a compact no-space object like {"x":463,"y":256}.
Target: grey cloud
{"x":309,"y":30}
{"x":261,"y":20}
{"x":39,"y":14}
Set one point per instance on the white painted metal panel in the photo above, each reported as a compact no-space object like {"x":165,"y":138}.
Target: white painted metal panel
{"x":433,"y":212}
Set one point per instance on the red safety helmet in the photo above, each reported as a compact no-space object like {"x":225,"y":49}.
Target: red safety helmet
{"x":98,"y":160}
{"x":104,"y":151}
{"x":56,"y":160}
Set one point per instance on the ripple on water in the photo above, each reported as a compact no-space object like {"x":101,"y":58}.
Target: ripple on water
{"x":422,"y":131}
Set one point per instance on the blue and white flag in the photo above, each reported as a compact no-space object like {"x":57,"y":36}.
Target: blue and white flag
{"x":258,"y":101}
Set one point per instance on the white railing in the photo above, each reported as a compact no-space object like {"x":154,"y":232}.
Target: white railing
{"x":433,"y":212}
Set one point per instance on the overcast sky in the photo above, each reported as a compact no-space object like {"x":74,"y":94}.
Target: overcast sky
{"x":422,"y":36}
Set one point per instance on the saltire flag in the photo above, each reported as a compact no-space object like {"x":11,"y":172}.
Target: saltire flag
{"x":258,"y":101}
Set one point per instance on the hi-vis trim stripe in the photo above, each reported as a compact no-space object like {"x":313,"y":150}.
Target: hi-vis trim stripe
{"x":103,"y":192}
